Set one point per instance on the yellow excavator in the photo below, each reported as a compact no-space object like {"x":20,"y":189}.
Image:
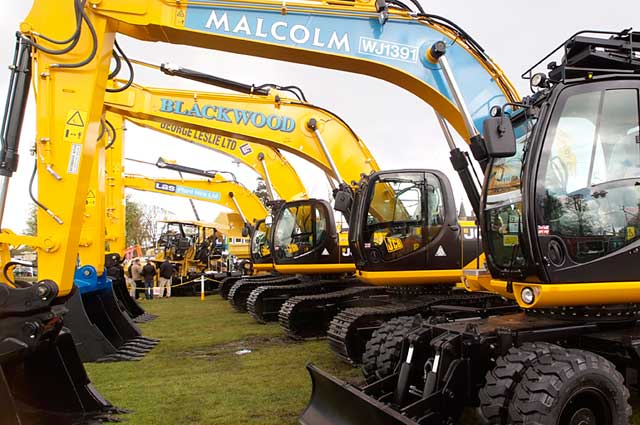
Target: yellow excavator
{"x":71,"y":80}
{"x":279,"y":176}
{"x":98,"y":319}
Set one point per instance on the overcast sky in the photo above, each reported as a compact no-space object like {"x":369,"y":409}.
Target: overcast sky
{"x":399,"y":129}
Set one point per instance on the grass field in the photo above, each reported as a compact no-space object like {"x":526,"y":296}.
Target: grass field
{"x":194,"y":377}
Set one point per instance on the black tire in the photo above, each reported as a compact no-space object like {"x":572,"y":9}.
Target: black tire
{"x":226,"y":284}
{"x":382,"y":352}
{"x":501,"y":381}
{"x":570,"y":387}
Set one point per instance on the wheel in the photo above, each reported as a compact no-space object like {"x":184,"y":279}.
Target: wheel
{"x":570,"y":387}
{"x":500,"y":382}
{"x":382,"y":351}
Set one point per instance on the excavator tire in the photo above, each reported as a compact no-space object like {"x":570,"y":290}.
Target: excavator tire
{"x":383,"y":350}
{"x":569,"y":386}
{"x":501,"y":381}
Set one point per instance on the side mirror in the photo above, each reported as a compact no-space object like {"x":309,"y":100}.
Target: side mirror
{"x":499,"y":137}
{"x":268,"y":220}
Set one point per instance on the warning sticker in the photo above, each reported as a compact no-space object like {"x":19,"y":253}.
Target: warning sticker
{"x":631,"y":233}
{"x":180,"y":17}
{"x":441,"y":252}
{"x":510,"y":240}
{"x":91,"y":199}
{"x":74,"y":126}
{"x":74,"y":158}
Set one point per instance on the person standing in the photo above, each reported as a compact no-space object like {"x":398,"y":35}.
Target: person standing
{"x":136,"y":276}
{"x":166,"y":274}
{"x":148,"y":274}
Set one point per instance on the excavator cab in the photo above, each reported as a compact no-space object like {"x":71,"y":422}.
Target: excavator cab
{"x":304,"y":232}
{"x":406,"y":220}
{"x":581,"y":133}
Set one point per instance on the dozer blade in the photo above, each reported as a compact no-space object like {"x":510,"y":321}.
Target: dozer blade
{"x":335,"y":402}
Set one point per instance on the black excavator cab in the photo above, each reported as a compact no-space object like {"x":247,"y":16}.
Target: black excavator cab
{"x":406,"y":220}
{"x":305,"y":233}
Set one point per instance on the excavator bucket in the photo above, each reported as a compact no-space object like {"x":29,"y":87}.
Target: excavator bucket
{"x":42,"y":380}
{"x":115,"y":271}
{"x":335,"y":402}
{"x":102,"y":331}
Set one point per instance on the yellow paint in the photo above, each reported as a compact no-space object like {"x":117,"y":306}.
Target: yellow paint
{"x":316,"y":268}
{"x":569,"y":294}
{"x":410,"y":277}
{"x":263,"y":267}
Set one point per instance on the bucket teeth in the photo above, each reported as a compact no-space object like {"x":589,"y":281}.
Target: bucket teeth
{"x":144,"y":318}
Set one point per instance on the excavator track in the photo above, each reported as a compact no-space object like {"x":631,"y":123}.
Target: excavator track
{"x":241,"y":290}
{"x":264,"y":303}
{"x":350,"y":329}
{"x":308,"y":316}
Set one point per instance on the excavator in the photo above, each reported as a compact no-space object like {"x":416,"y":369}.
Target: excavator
{"x":70,"y":83}
{"x":279,"y":176}
{"x":559,"y":216}
{"x":102,"y":330}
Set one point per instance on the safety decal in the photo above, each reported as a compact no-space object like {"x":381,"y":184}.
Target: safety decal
{"x":91,"y":199}
{"x":543,"y":229}
{"x":631,"y":233}
{"x":510,"y":240}
{"x":441,"y":252}
{"x":180,"y":18}
{"x":74,"y":158}
{"x":74,"y":126}
{"x":325,"y":252}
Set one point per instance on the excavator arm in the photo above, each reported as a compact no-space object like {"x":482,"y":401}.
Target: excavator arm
{"x":274,"y":121}
{"x":391,"y":44}
{"x":228,"y":194}
{"x":269,"y":163}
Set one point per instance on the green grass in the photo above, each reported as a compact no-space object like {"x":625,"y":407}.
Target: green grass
{"x":194,"y":377}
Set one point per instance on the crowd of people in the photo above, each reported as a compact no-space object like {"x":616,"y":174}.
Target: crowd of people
{"x":143,"y":277}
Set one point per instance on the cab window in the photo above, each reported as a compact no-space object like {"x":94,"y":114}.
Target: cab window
{"x":590,"y":167}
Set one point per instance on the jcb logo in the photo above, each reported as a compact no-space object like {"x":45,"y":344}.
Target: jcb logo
{"x":393,"y":244}
{"x":470,"y":233}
